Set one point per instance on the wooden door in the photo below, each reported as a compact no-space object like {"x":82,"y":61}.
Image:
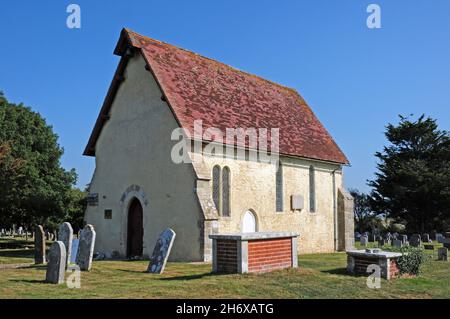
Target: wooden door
{"x":135,"y":235}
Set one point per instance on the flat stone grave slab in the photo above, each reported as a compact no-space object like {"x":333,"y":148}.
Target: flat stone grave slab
{"x":254,"y":252}
{"x":359,"y":260}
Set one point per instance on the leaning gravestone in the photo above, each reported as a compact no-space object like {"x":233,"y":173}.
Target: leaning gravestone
{"x":443,"y":254}
{"x":439,"y":238}
{"x":363,"y":240}
{"x":415,"y":240}
{"x":39,"y":245}
{"x":65,"y":234}
{"x":161,"y":252}
{"x":86,"y":248}
{"x":56,"y":266}
{"x":426,"y":238}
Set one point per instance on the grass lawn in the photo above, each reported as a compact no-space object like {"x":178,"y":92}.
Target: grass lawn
{"x":319,"y":276}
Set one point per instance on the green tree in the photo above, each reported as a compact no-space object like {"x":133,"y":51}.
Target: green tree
{"x":364,"y":215}
{"x":76,"y":208}
{"x":412,"y":184}
{"x":33,"y":186}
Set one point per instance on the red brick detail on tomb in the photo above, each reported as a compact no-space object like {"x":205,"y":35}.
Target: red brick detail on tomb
{"x":270,"y":254}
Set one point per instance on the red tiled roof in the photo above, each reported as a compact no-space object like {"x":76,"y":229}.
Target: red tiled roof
{"x":198,"y":88}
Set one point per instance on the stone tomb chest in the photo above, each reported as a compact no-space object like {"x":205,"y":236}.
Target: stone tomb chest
{"x":254,"y":252}
{"x":359,"y":260}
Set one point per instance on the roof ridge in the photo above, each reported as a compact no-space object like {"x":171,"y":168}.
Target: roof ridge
{"x":218,"y":62}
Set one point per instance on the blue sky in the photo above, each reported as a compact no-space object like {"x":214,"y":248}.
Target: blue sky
{"x":356,"y":79}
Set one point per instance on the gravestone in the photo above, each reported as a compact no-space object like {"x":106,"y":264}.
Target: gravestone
{"x":39,"y":245}
{"x":56,"y":266}
{"x":364,"y":240}
{"x":357,"y":235}
{"x":426,"y":238}
{"x":86,"y":248}
{"x":415,"y":240}
{"x":395,"y":235}
{"x":443,"y":254}
{"x":404,"y":239}
{"x":161,"y":252}
{"x":439,"y":238}
{"x":446,"y":243}
{"x":75,"y":245}
{"x":381,"y":242}
{"x":65,"y":234}
{"x":397,"y":243}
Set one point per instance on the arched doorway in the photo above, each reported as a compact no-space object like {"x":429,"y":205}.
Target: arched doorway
{"x":249,"y":222}
{"x":135,"y":233}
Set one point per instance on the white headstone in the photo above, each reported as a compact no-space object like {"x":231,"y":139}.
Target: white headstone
{"x":161,"y":252}
{"x":56,"y":266}
{"x":86,"y":248}
{"x":65,"y":234}
{"x":364,"y":240}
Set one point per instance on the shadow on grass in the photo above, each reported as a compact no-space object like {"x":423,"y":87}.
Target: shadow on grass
{"x":193,"y":277}
{"x":337,"y":271}
{"x":180,"y":278}
{"x":18,"y":253}
{"x":133,"y":271}
{"x":30,"y":281}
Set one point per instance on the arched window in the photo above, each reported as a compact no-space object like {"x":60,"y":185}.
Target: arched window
{"x":226,"y":191}
{"x":312,"y":189}
{"x":216,"y":186}
{"x":279,"y":188}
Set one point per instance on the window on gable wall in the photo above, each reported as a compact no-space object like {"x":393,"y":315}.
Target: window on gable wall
{"x":279,"y":188}
{"x":312,"y":189}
